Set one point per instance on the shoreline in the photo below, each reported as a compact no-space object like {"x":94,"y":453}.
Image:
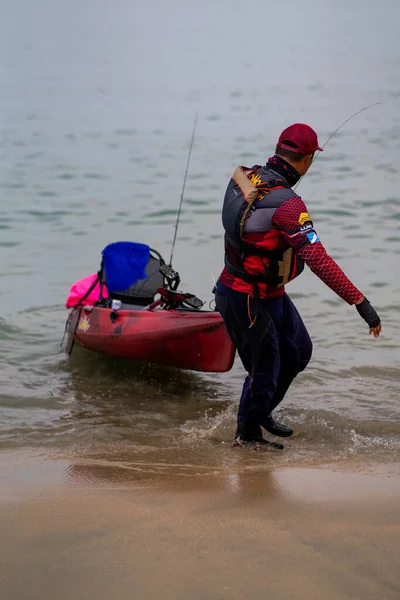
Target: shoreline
{"x":23,"y":473}
{"x":55,"y":464}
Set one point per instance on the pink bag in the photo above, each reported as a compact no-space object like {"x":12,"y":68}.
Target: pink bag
{"x":79,"y":289}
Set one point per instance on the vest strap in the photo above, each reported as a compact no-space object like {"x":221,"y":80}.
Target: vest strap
{"x":242,"y":274}
{"x":249,"y":250}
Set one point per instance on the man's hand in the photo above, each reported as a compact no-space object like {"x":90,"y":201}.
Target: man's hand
{"x":369,"y":314}
{"x":376,"y":330}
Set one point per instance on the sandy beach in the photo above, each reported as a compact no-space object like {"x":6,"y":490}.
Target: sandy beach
{"x":96,"y":531}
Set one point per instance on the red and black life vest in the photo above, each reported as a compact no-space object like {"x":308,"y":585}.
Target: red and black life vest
{"x":251,"y":199}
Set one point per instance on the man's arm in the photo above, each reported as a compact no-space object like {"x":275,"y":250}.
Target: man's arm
{"x":294,"y":222}
{"x":318,"y":260}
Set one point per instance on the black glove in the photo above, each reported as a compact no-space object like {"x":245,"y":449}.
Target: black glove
{"x":368,"y":313}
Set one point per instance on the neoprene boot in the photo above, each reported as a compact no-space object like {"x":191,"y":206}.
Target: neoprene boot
{"x":248,"y":433}
{"x":252,"y":434}
{"x":275,"y":427}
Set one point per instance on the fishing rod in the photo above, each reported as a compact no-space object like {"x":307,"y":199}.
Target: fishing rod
{"x":336,"y":130}
{"x":183,"y":189}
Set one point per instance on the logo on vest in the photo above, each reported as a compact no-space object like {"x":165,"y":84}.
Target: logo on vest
{"x":255,"y":179}
{"x":304,"y":217}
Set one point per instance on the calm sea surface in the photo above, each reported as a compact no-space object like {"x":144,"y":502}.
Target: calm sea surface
{"x":97,"y":105}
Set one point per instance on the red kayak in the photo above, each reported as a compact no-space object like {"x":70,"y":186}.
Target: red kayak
{"x":187,"y":339}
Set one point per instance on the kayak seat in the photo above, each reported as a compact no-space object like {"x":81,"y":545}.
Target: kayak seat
{"x":143,"y":291}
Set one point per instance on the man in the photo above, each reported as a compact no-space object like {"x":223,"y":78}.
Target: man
{"x":269,"y":235}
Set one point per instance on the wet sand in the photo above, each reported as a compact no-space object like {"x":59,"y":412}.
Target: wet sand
{"x":86,"y":531}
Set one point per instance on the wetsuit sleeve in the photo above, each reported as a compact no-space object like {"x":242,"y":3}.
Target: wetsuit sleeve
{"x":295,"y":224}
{"x":318,"y":260}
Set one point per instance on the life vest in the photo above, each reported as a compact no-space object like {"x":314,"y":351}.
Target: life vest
{"x":251,"y":199}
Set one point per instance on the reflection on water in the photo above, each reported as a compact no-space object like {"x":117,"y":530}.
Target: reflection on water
{"x":137,"y":402}
{"x":234,"y":479}
{"x":243,"y":484}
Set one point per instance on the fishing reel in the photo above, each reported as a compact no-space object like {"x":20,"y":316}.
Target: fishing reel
{"x":170,"y":275}
{"x":172,"y":300}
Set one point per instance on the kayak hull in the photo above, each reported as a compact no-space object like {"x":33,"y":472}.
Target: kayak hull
{"x":194,"y":340}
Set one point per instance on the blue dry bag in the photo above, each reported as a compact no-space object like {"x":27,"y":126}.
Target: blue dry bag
{"x":124,"y":264}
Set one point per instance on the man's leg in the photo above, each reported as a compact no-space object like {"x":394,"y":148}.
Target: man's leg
{"x":262,"y":343}
{"x":295,"y":351}
{"x":258,"y":348}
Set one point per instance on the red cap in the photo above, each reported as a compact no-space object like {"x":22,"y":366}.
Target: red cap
{"x":302,"y":139}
